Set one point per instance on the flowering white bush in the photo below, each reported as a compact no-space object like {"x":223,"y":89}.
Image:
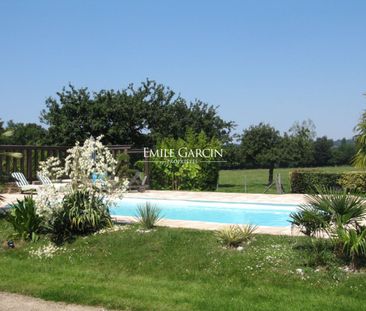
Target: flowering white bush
{"x":91,"y":167}
{"x":49,"y":198}
{"x":51,"y":168}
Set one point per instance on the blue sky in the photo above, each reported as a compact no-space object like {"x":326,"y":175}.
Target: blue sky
{"x":271,"y":61}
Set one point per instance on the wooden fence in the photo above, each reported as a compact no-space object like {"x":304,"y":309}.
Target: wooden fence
{"x":31,"y":156}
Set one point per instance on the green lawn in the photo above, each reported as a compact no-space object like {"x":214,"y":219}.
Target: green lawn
{"x":172,"y":269}
{"x":256,"y":179}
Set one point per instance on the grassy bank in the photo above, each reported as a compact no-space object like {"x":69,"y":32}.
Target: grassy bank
{"x":172,"y":269}
{"x":256,"y":179}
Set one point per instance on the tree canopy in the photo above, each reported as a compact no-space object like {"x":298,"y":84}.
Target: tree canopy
{"x":323,"y":151}
{"x":300,"y":144}
{"x":136,"y":115}
{"x":262,"y":146}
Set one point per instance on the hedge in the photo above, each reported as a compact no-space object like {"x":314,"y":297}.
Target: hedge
{"x":306,"y":181}
{"x":354,"y":182}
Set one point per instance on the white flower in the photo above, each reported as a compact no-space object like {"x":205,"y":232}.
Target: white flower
{"x":51,"y":168}
{"x":46,"y":251}
{"x":49,"y":198}
{"x":300,"y":271}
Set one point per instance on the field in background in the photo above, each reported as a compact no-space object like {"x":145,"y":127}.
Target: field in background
{"x":256,"y":179}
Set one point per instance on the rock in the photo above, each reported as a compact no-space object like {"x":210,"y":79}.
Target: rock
{"x":300,"y":271}
{"x":239,"y":248}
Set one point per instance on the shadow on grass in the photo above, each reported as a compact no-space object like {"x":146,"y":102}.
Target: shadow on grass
{"x":228,"y":186}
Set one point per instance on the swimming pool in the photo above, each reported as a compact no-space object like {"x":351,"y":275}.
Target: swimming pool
{"x":261,"y":214}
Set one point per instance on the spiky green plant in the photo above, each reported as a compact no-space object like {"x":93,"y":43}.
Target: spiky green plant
{"x":235,"y":235}
{"x":329,"y":209}
{"x":353,"y":244}
{"x":309,"y":220}
{"x":148,"y":215}
{"x":24,"y":219}
{"x":82,"y":212}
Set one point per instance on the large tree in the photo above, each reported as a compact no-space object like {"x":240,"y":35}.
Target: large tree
{"x":300,"y":144}
{"x":136,"y":115}
{"x":262,"y":146}
{"x":343,"y":152}
{"x":322,"y":151}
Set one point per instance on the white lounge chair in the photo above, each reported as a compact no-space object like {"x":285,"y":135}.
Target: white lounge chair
{"x":23,"y":184}
{"x":44,"y":179}
{"x":137,"y":184}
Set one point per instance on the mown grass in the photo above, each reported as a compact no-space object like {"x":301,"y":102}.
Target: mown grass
{"x":176,"y":269}
{"x":256,"y":179}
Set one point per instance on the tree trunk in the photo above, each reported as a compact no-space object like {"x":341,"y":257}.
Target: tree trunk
{"x":270,"y":174}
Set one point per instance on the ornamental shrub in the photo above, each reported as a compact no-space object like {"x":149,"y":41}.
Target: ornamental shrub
{"x":91,"y":158}
{"x":339,"y":216}
{"x":235,"y":235}
{"x":82,"y":212}
{"x":189,"y":172}
{"x":51,"y":168}
{"x":23,"y":216}
{"x":354,"y":182}
{"x":148,"y":215}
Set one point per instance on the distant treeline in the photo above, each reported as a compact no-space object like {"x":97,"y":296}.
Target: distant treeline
{"x":263,"y":146}
{"x":325,"y":152}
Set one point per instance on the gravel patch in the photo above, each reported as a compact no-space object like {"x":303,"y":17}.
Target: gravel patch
{"x":15,"y":302}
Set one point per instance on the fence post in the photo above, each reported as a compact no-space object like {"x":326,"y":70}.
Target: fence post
{"x":29,"y":164}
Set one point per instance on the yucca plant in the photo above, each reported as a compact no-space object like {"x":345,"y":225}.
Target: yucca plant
{"x":235,"y":235}
{"x":81,"y":213}
{"x":24,"y":218}
{"x":148,"y":215}
{"x":86,"y":212}
{"x":353,"y":244}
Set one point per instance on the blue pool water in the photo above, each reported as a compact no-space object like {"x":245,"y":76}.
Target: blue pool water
{"x":261,"y":214}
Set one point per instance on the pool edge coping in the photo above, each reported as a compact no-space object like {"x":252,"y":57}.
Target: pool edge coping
{"x":210,"y":201}
{"x":212,"y":226}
